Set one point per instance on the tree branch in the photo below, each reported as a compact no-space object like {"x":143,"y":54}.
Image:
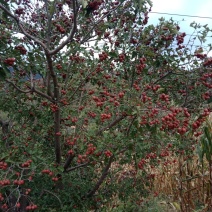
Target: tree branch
{"x":71,"y":35}
{"x":111,"y":124}
{"x":75,"y":167}
{"x":163,"y":77}
{"x":57,"y":112}
{"x":22,"y":28}
{"x":17,"y":88}
{"x":101,"y":179}
{"x":43,"y":94}
{"x":68,"y":161}
{"x":30,"y":91}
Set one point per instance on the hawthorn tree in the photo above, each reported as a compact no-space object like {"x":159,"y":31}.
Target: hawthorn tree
{"x":91,"y":89}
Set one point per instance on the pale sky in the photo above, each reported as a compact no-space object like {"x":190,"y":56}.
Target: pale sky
{"x":184,"y":7}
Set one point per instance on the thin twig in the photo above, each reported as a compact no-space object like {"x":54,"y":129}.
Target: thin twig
{"x":128,"y":129}
{"x":111,"y":124}
{"x":76,"y":167}
{"x":17,"y":88}
{"x":53,"y":195}
{"x":43,"y":94}
{"x":163,"y":77}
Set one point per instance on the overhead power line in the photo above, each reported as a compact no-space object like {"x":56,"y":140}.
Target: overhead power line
{"x":192,"y":16}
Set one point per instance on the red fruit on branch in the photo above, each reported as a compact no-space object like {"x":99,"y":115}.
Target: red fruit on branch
{"x":9,"y":61}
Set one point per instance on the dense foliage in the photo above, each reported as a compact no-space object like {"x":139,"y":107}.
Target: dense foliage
{"x":90,"y":91}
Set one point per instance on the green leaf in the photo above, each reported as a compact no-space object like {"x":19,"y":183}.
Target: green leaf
{"x":84,"y":3}
{"x":134,"y":54}
{"x":113,"y":54}
{"x":2,"y":74}
{"x":207,"y":134}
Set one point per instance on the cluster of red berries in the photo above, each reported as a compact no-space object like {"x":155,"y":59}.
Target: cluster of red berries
{"x":19,"y":11}
{"x":71,"y":152}
{"x":151,"y":155}
{"x":200,"y":56}
{"x":108,"y":153}
{"x":58,"y":133}
{"x":47,"y":171}
{"x":141,"y":163}
{"x":63,"y":75}
{"x":141,"y":65}
{"x":182,"y":130}
{"x":200,"y":120}
{"x":9,"y":61}
{"x":105,"y":116}
{"x":54,"y":107}
{"x":31,"y":207}
{"x":103,"y":56}
{"x":170,"y":121}
{"x":44,"y":103}
{"x":90,"y":92}
{"x":206,"y":95}
{"x":155,"y":88}
{"x":59,"y":66}
{"x":50,"y":173}
{"x":82,"y":158}
{"x":77,"y":58}
{"x":4,"y":206}
{"x":180,"y":38}
{"x":60,"y":28}
{"x":94,"y":5}
{"x":145,"y":21}
{"x":3,"y":165}
{"x":164,"y":97}
{"x":99,"y":68}
{"x":206,"y":80}
{"x":18,"y":182}
{"x":21,"y":49}
{"x":70,"y":142}
{"x":1,"y":197}
{"x":167,"y":37}
{"x":91,"y":149}
{"x":28,"y":190}
{"x":121,"y":95}
{"x":92,"y":114}
{"x":117,"y":43}
{"x":145,"y":98}
{"x":99,"y":101}
{"x":74,"y":119}
{"x":26,"y":164}
{"x":133,"y":41}
{"x":107,"y":34}
{"x":136,"y":86}
{"x":208,"y":62}
{"x":64,"y":101}
{"x":121,"y":57}
{"x":4,"y":182}
{"x":55,"y":179}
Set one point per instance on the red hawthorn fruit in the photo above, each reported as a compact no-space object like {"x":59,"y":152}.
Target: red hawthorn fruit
{"x":58,"y":134}
{"x":63,"y":92}
{"x":59,"y":66}
{"x":18,"y":205}
{"x":21,"y":49}
{"x":9,"y":61}
{"x":108,"y":153}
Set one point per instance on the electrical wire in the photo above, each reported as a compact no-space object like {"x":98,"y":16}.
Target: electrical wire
{"x":192,"y":16}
